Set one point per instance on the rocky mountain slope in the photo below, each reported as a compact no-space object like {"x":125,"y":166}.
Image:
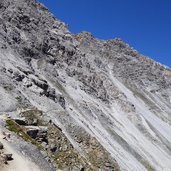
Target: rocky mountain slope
{"x":85,"y":104}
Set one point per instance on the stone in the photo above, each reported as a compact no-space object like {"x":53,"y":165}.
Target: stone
{"x":33,"y":133}
{"x":45,"y":145}
{"x":1,"y":146}
{"x":53,"y":148}
{"x":44,"y":153}
{"x":61,"y":100}
{"x":20,"y":121}
{"x":7,"y":157}
{"x":35,"y":122}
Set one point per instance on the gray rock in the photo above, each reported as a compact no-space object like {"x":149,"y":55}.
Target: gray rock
{"x":33,"y":133}
{"x":53,"y":148}
{"x":20,"y":121}
{"x":7,"y":157}
{"x":1,"y":146}
{"x":35,"y":122}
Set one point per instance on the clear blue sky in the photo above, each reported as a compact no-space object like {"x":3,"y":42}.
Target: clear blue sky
{"x":144,"y":24}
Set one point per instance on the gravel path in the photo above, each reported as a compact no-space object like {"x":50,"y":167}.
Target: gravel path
{"x":20,"y":162}
{"x":26,"y":156}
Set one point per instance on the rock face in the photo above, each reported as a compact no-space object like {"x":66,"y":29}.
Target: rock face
{"x":109,"y":106}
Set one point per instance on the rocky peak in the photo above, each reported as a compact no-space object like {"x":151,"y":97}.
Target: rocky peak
{"x":104,"y":105}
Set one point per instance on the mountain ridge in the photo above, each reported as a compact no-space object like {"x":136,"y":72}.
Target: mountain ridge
{"x":108,"y":105}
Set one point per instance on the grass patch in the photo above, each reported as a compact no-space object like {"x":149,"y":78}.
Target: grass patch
{"x":19,"y":99}
{"x":20,"y":131}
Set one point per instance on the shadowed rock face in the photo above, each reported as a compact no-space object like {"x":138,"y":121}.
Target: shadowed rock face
{"x":108,"y":103}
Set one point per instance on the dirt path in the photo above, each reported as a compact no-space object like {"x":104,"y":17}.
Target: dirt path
{"x":20,"y":162}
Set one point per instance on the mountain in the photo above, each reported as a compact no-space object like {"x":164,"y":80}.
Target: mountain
{"x":73,"y":102}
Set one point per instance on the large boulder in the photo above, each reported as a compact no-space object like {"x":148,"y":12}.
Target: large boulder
{"x":20,"y":121}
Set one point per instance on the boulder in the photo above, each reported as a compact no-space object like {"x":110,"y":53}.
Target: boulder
{"x":33,"y":133}
{"x":1,"y":146}
{"x":35,"y":122}
{"x":38,"y":133}
{"x":7,"y":157}
{"x":20,"y":121}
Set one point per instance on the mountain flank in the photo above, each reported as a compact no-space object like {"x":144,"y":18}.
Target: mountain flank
{"x":72,"y":102}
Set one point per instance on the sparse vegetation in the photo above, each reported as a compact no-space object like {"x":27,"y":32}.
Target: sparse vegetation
{"x":19,"y":99}
{"x":20,"y":131}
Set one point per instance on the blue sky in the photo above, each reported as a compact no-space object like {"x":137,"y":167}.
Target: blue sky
{"x":144,"y":24}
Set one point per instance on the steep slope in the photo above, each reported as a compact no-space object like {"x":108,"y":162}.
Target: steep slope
{"x":19,"y":161}
{"x":111,"y":105}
